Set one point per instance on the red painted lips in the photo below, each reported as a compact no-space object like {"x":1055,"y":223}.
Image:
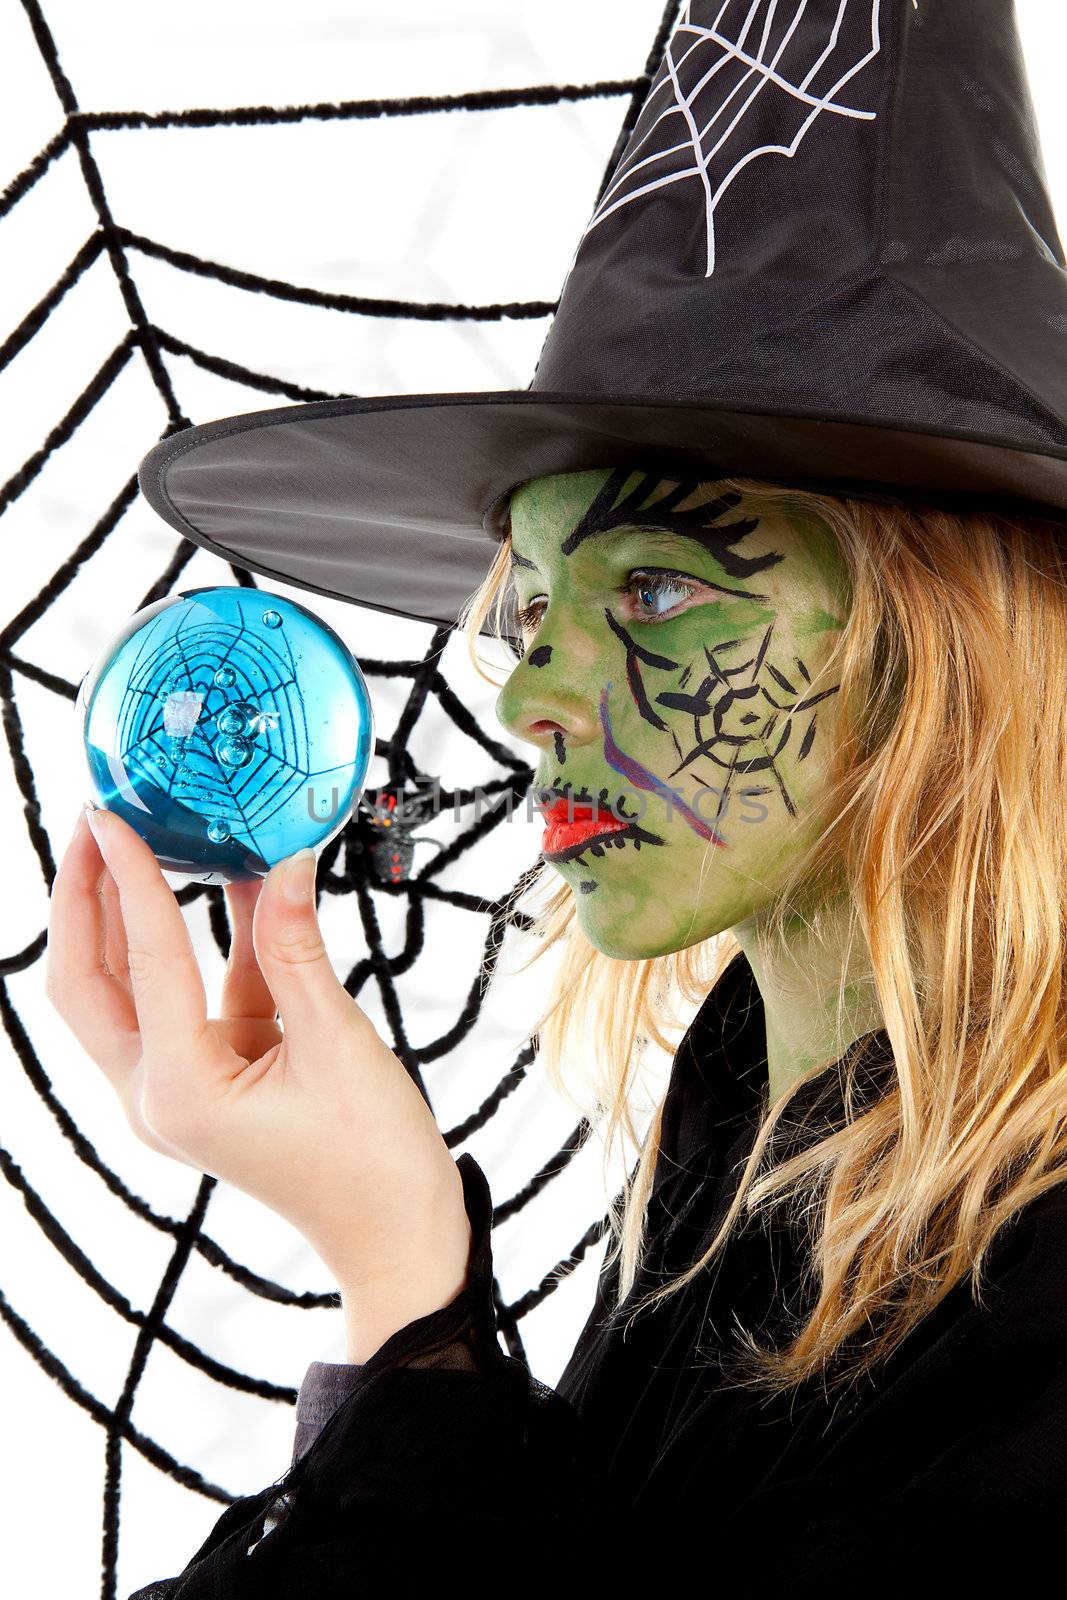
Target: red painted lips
{"x":571,"y":824}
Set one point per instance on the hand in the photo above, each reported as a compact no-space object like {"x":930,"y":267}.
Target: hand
{"x":317,"y":1118}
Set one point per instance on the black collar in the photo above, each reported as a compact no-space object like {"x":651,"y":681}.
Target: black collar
{"x":718,"y":1085}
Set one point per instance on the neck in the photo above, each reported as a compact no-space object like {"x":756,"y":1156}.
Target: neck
{"x":799,"y":977}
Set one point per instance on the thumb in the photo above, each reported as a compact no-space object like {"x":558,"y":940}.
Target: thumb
{"x":289,"y":945}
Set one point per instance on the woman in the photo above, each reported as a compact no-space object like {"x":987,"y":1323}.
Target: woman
{"x":834,"y":1324}
{"x":783,"y":508}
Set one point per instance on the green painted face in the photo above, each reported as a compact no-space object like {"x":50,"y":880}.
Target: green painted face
{"x":671,"y":681}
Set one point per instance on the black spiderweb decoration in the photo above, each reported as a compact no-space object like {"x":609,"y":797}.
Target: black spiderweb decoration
{"x":352,"y":865}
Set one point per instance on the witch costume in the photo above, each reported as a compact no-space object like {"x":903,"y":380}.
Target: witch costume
{"x":825,"y":257}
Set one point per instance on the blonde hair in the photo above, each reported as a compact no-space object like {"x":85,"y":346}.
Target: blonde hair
{"x":948,"y":835}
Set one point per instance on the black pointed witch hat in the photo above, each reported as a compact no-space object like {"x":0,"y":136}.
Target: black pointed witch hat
{"x":826,"y":256}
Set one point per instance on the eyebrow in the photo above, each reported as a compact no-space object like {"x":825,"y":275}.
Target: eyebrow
{"x":664,"y":531}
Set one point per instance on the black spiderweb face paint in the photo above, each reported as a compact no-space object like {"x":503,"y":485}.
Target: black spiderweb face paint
{"x":752,"y":706}
{"x":766,"y":704}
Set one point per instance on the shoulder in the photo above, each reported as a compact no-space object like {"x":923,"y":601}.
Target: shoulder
{"x":1024,"y":1276}
{"x":984,"y":1379}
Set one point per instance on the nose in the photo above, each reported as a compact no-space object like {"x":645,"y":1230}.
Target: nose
{"x":539,"y":710}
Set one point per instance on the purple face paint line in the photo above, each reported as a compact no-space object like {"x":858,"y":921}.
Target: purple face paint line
{"x":641,"y":778}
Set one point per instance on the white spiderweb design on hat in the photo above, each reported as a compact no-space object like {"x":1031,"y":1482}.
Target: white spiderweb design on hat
{"x":714,"y":78}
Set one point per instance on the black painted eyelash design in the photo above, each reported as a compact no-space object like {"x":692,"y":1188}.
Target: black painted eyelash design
{"x":658,"y":579}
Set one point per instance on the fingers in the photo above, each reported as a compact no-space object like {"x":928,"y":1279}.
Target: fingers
{"x":96,"y":1003}
{"x":164,"y":976}
{"x":245,"y":991}
{"x":116,"y":955}
{"x":292,"y":955}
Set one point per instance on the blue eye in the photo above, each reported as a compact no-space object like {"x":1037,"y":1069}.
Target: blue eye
{"x":654,"y":581}
{"x":656,"y":584}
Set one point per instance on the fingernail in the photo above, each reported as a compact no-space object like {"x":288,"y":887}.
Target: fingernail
{"x":94,"y":816}
{"x":298,"y":876}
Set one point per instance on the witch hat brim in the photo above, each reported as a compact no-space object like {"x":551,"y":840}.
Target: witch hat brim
{"x":394,"y":502}
{"x":826,"y":257}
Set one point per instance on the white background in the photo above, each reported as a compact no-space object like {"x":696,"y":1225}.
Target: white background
{"x":472,"y":207}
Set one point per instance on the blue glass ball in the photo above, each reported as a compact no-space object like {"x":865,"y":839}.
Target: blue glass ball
{"x":229,"y":727}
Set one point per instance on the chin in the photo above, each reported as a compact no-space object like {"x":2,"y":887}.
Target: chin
{"x":627,"y":936}
{"x":618,"y":949}
{"x":627,"y":940}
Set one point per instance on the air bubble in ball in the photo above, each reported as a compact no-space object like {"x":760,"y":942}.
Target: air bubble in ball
{"x":234,"y":751}
{"x":230,"y":727}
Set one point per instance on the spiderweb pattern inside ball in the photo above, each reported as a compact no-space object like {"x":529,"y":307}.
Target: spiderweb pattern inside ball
{"x":229,"y":727}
